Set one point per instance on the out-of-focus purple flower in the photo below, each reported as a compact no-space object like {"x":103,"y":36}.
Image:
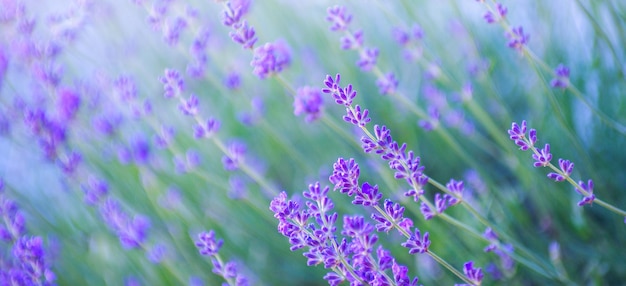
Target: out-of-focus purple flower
{"x":382,"y":142}
{"x":234,"y":156}
{"x":173,"y":83}
{"x":367,"y":59}
{"x":68,"y":102}
{"x":517,"y":38}
{"x":13,"y":226}
{"x":125,"y":88}
{"x":232,"y":80}
{"x":589,"y":197}
{"x":70,"y":163}
{"x":171,"y":32}
{"x":344,"y":96}
{"x":207,"y":130}
{"x":498,"y":16}
{"x":352,"y":41}
{"x":566,"y":168}
{"x":456,"y":188}
{"x":543,"y":158}
{"x":244,"y":35}
{"x":270,"y":58}
{"x":189,"y":106}
{"x":238,"y":188}
{"x":561,"y":79}
{"x":207,"y":244}
{"x":95,"y":190}
{"x":417,"y":243}
{"x":140,"y":149}
{"x":387,"y":84}
{"x":356,"y":116}
{"x":401,"y":36}
{"x":157,"y":253}
{"x":308,"y":101}
{"x":475,"y":275}
{"x":432,"y":122}
{"x":338,"y":17}
{"x":131,"y":233}
{"x":164,"y":137}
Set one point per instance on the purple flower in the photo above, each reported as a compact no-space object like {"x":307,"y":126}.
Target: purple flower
{"x":189,"y":106}
{"x":338,"y":17}
{"x":368,"y":196}
{"x":562,"y":77}
{"x":401,"y":36}
{"x":456,"y":188}
{"x":566,"y":168}
{"x":589,"y":197}
{"x":517,"y":133}
{"x":70,"y":164}
{"x":356,"y":117}
{"x":207,"y":244}
{"x":234,"y":156}
{"x":165,"y":136}
{"x":345,"y":176}
{"x":426,"y":211}
{"x":207,"y":130}
{"x":332,"y":86}
{"x":517,"y":38}
{"x":387,"y":84}
{"x":157,"y":253}
{"x":171,"y":33}
{"x":173,"y":83}
{"x":352,"y":41}
{"x":125,"y":88}
{"x":475,"y":275}
{"x":244,"y":35}
{"x":543,"y":158}
{"x":232,"y":80}
{"x":500,"y":14}
{"x":382,"y":143}
{"x":367,"y":59}
{"x":418,"y":188}
{"x":68,"y":103}
{"x":232,"y":16}
{"x":345,"y":95}
{"x":401,"y":277}
{"x":308,"y":101}
{"x":270,"y":58}
{"x":395,"y":211}
{"x":416,"y":243}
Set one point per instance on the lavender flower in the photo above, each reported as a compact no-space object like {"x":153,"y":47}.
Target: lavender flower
{"x":171,"y":33}
{"x":562,"y":77}
{"x":338,"y":17}
{"x":346,"y":176}
{"x":189,"y":106}
{"x":356,"y":116}
{"x":270,"y":58}
{"x":387,"y":84}
{"x":475,"y":275}
{"x":517,"y":133}
{"x":207,"y":244}
{"x":352,"y":41}
{"x":456,"y":188}
{"x":394,"y":211}
{"x":368,"y":196}
{"x":517,"y":39}
{"x":566,"y":168}
{"x":173,"y":83}
{"x":589,"y":197}
{"x":498,"y":16}
{"x":131,"y":232}
{"x":417,"y":243}
{"x":367,"y":59}
{"x":542,"y":159}
{"x":244,"y":35}
{"x":234,"y":156}
{"x":207,"y":130}
{"x":232,"y":80}
{"x":308,"y":101}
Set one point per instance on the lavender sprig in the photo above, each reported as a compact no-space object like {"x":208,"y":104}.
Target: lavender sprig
{"x":208,"y":245}
{"x":542,"y":158}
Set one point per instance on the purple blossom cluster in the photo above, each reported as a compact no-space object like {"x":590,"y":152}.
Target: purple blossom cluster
{"x":308,"y":101}
{"x":242,"y":33}
{"x":503,"y":251}
{"x":542,"y":158}
{"x":561,"y":79}
{"x":411,"y":41}
{"x":368,"y":56}
{"x":208,"y":245}
{"x":351,"y":258}
{"x":25,"y":261}
{"x":271,"y":58}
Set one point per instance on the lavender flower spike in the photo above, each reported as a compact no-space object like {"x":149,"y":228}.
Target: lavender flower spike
{"x":517,"y":39}
{"x":589,"y":197}
{"x":270,"y":58}
{"x":562,"y":77}
{"x":475,"y":275}
{"x":543,"y":158}
{"x":308,"y":101}
{"x":566,"y":168}
{"x":207,"y":244}
{"x":417,"y":243}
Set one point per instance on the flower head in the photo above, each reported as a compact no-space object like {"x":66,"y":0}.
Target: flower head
{"x":338,"y":17}
{"x":517,"y":38}
{"x":270,"y":58}
{"x":561,"y":79}
{"x":308,"y":101}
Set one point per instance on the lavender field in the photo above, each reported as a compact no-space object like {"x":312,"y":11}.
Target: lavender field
{"x":276,"y":142}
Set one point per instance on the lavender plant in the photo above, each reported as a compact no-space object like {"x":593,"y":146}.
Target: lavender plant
{"x":128,"y":128}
